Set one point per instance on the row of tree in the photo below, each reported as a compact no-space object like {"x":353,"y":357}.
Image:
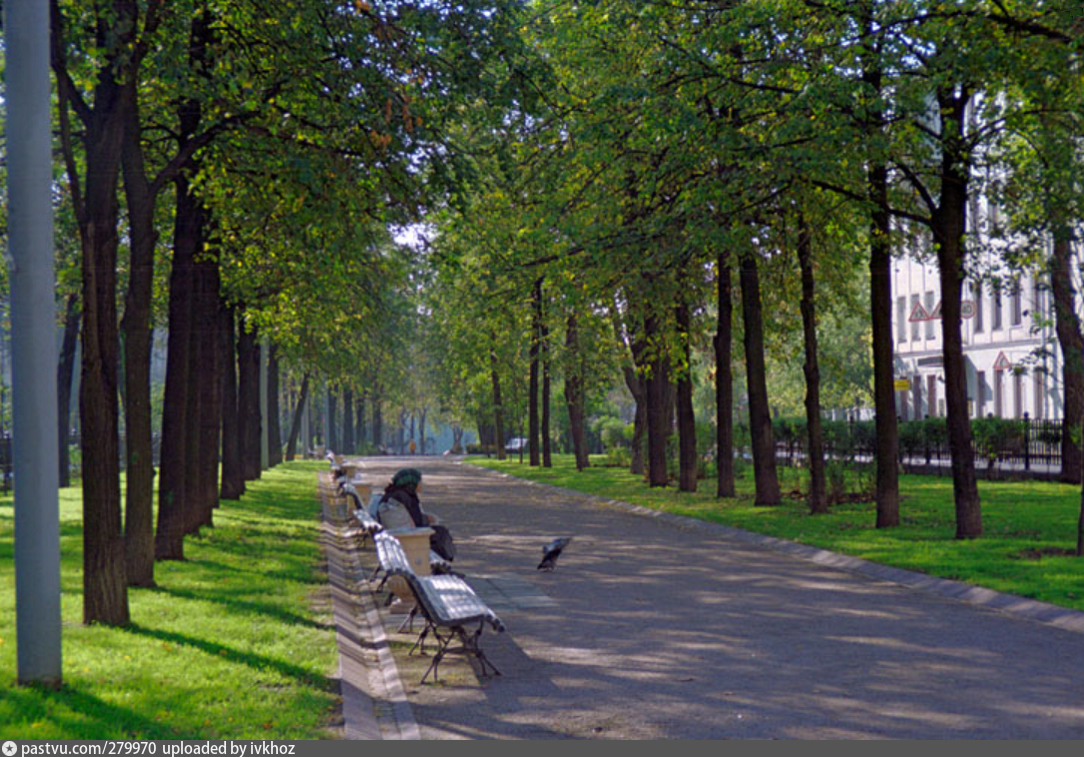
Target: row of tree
{"x":790,"y":144}
{"x":234,"y":171}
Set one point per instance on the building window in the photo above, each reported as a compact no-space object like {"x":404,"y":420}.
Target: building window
{"x":999,"y":393}
{"x":931,"y":395}
{"x":914,"y":324}
{"x":929,"y":312}
{"x":995,"y":302}
{"x":1040,"y":396}
{"x":1036,"y":299}
{"x":916,"y":393}
{"x":977,"y":297}
{"x":1018,"y":395}
{"x":1017,"y":307}
{"x":980,"y":394}
{"x":901,"y":319}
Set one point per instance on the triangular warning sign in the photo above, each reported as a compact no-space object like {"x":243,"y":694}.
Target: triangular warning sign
{"x":918,"y":313}
{"x":1002,"y":363}
{"x":936,"y":312}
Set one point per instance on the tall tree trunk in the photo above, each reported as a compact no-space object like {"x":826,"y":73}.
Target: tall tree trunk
{"x":65,"y":371}
{"x":359,"y":425}
{"x":818,"y":497}
{"x":195,"y":484}
{"x":248,"y":394}
{"x":333,"y":421}
{"x":173,"y":481}
{"x":105,"y":593}
{"x":498,"y":409}
{"x":637,"y":387}
{"x":659,"y":409}
{"x":574,"y":394}
{"x":233,"y":480}
{"x":105,"y":598}
{"x":884,"y":395}
{"x":724,"y":382}
{"x":760,"y":421}
{"x":348,"y":422}
{"x":686,"y":418}
{"x":299,"y":411}
{"x":421,"y":430}
{"x":274,"y":418}
{"x":378,"y":422}
{"x":880,"y":275}
{"x":136,"y":328}
{"x":1067,"y":325}
{"x":547,"y":452}
{"x":949,"y":225}
{"x":637,"y":462}
{"x":1080,"y":529}
{"x":532,"y":391}
{"x":176,"y":487}
{"x":209,"y":378}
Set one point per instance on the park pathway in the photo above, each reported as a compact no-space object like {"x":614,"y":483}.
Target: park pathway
{"x":654,"y":628}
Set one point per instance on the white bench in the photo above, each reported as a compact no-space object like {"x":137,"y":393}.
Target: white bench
{"x":450,"y":607}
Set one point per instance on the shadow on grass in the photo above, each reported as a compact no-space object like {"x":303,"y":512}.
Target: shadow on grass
{"x":254,"y":661}
{"x":298,"y":572}
{"x":87,"y":716}
{"x":244,"y":607}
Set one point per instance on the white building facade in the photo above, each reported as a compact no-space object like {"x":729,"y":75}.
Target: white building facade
{"x":1010,"y":348}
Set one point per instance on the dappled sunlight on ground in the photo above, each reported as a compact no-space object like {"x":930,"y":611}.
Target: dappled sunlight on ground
{"x":656,"y":631}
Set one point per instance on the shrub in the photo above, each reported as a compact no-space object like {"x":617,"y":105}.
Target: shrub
{"x":995,"y":438}
{"x":613,"y":432}
{"x":618,"y":457}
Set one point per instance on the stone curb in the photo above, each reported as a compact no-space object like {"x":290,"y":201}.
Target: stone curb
{"x":375,"y":705}
{"x":1021,"y":607}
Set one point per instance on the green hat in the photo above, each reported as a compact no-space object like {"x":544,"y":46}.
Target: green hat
{"x":408,"y":478}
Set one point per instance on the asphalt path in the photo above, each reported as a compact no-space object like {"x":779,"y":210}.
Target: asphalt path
{"x":652,"y":628}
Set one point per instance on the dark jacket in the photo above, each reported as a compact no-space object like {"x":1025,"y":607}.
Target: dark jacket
{"x":441,"y":539}
{"x":410,"y":501}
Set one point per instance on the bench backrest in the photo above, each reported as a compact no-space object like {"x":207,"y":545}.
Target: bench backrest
{"x":368,"y":523}
{"x":393,"y":558}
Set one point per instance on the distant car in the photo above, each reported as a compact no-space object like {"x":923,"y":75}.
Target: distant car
{"x":516,"y":444}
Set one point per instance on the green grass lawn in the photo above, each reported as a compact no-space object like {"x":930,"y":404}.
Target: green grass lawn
{"x":235,"y":642}
{"x":1027,"y":524}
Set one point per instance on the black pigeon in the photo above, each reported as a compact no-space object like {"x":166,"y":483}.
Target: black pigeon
{"x":551,"y":552}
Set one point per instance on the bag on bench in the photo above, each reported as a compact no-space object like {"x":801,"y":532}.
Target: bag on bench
{"x":441,"y":542}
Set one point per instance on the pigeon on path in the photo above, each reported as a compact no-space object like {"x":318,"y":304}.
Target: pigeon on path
{"x":551,"y":552}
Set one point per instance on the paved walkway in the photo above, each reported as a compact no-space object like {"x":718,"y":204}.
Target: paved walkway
{"x":656,"y":627}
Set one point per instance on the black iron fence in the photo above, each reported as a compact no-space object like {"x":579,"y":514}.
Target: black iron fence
{"x":1025,"y":446}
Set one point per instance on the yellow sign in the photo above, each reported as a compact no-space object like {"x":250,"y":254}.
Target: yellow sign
{"x":903,"y":385}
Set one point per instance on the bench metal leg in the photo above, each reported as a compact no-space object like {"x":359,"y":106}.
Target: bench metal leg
{"x":468,"y":646}
{"x":408,"y":623}
{"x":419,"y":643}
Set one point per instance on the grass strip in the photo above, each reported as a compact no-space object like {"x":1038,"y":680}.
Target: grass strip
{"x":1030,"y":526}
{"x":236,"y":642}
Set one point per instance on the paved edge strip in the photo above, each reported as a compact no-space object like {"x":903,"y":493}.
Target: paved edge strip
{"x":366,"y":692}
{"x":1021,"y":607}
{"x":387,"y":674}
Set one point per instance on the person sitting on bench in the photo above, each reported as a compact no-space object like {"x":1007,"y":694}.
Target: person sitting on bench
{"x":401,"y":508}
